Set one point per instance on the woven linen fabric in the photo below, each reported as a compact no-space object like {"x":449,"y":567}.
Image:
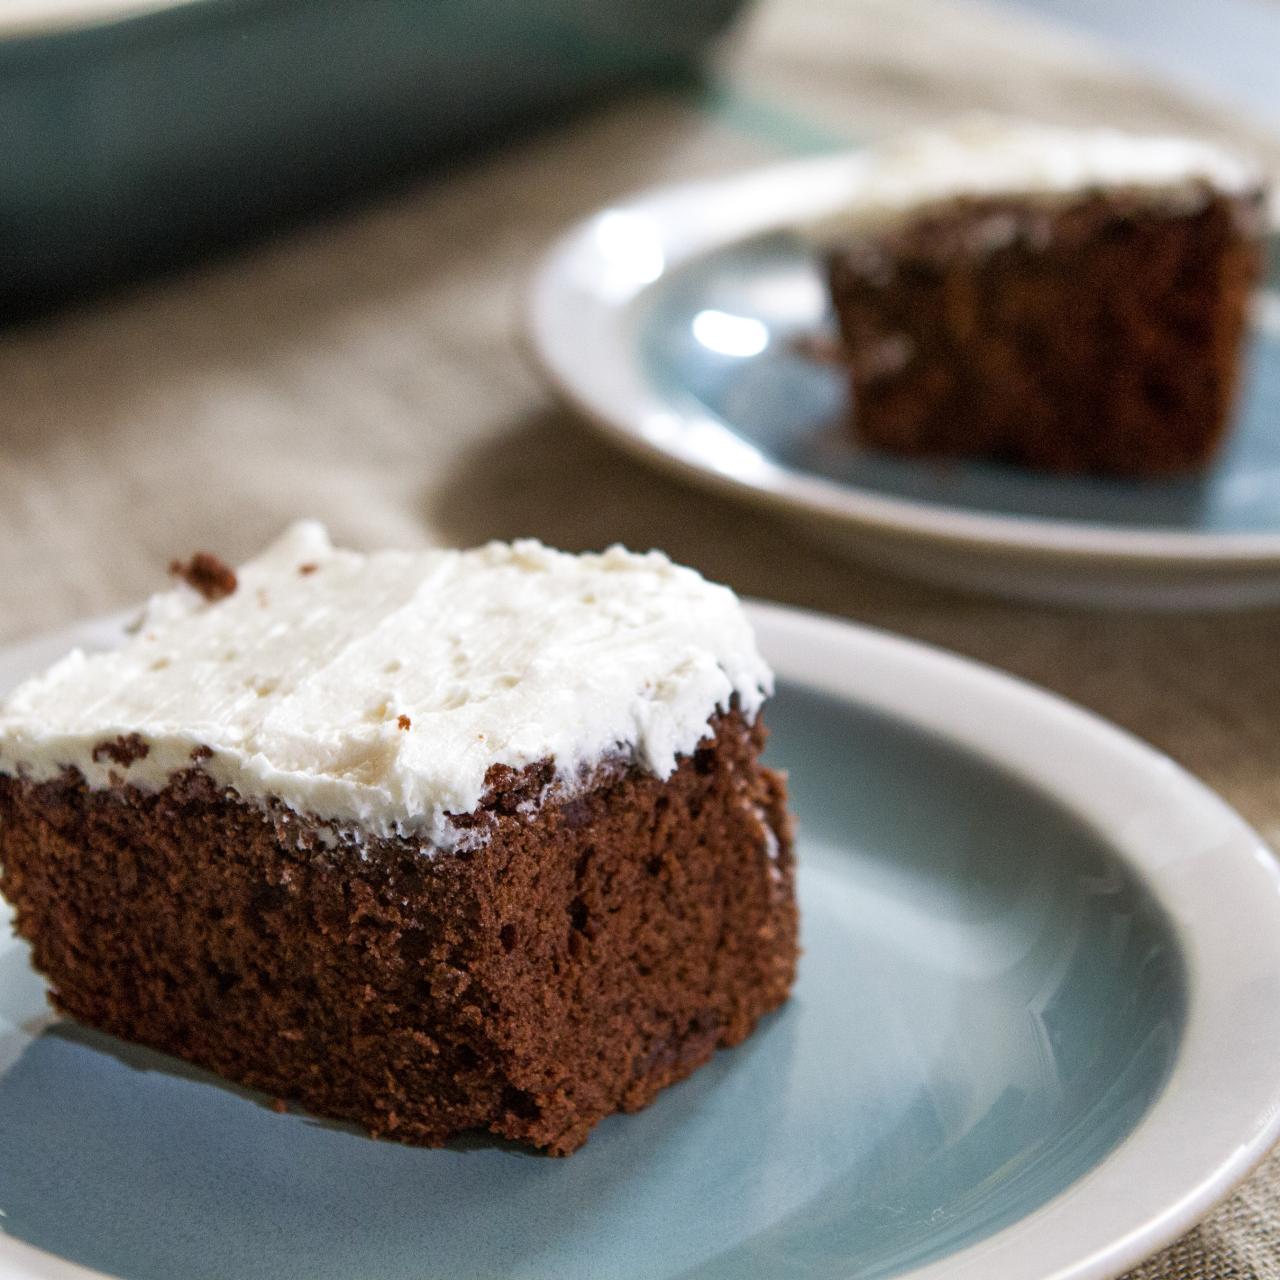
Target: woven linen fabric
{"x":369,"y":370}
{"x":1239,"y":1242}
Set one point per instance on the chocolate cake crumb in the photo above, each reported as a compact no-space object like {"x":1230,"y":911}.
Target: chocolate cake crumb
{"x":817,"y":348}
{"x":123,"y":750}
{"x":307,"y":569}
{"x":205,"y":573}
{"x":201,"y":753}
{"x":404,"y":722}
{"x":574,"y":961}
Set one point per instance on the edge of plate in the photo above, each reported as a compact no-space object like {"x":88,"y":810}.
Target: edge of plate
{"x":565,"y":304}
{"x":1219,"y":1112}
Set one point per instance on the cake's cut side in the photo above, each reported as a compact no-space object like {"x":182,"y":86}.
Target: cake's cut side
{"x":590,"y":949}
{"x":1101,"y":338}
{"x":1064,"y":300}
{"x":427,"y":841}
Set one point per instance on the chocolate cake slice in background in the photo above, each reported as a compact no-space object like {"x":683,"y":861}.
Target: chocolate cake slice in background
{"x":430,"y":842}
{"x":1068,"y":300}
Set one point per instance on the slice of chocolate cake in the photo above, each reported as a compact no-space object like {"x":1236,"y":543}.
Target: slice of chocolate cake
{"x":430,"y":842}
{"x":1069,"y":300}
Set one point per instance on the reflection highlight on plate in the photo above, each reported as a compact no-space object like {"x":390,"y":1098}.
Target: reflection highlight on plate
{"x":708,"y":441}
{"x":730,"y":335}
{"x":628,"y":250}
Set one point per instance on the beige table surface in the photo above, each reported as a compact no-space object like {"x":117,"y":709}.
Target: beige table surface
{"x":370,"y":372}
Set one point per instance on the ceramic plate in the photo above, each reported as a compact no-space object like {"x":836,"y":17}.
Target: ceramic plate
{"x":683,"y":324}
{"x":1025,"y":1043}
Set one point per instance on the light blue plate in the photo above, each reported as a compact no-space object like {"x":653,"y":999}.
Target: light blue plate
{"x":678,"y":323}
{"x":988,"y":1003}
{"x":723,"y":332}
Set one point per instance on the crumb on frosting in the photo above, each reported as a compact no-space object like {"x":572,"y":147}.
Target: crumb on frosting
{"x":205,"y":573}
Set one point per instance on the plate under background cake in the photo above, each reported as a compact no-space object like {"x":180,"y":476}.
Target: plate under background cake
{"x":427,"y":841}
{"x":1067,"y":300}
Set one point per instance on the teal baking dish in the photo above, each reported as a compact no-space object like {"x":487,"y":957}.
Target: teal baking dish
{"x":132,"y":142}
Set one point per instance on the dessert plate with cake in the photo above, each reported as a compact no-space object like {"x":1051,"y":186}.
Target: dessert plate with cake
{"x":1004,"y":356}
{"x":476,"y":852}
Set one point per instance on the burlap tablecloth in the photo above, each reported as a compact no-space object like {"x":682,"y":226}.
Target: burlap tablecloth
{"x":370,"y":371}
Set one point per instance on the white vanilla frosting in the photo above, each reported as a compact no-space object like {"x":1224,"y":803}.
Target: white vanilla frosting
{"x":984,"y":156}
{"x":377,"y":690}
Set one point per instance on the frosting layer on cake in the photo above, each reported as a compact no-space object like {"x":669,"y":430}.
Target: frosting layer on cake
{"x":378,"y":689}
{"x":984,"y":157}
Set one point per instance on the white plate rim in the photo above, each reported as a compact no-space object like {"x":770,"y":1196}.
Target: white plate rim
{"x":580,"y":323}
{"x":1219,"y":1112}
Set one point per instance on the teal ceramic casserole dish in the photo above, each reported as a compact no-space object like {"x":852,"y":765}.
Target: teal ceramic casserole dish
{"x":135,"y":132}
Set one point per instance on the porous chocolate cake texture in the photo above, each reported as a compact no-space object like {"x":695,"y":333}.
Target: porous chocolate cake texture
{"x":430,"y":842}
{"x":1064,"y":300}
